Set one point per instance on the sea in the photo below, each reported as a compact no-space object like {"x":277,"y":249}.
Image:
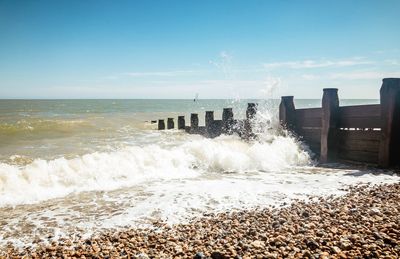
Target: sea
{"x":80,"y":167}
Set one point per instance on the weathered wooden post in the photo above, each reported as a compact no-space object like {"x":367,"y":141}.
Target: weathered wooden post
{"x":209,"y":121}
{"x":161,"y":125}
{"x":389,"y":150}
{"x":250,"y":114}
{"x":170,"y":123}
{"x":330,"y":114}
{"x":227,"y":120}
{"x":287,"y":112}
{"x":251,"y":110}
{"x":181,"y":122}
{"x":194,"y":122}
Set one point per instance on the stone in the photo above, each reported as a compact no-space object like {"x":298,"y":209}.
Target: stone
{"x":257,"y":244}
{"x":345,"y":244}
{"x":199,"y":256}
{"x":142,"y":256}
{"x":335,"y":249}
{"x":312,"y":244}
{"x":217,"y":255}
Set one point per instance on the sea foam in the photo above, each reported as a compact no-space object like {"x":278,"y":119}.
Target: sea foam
{"x":192,"y":157}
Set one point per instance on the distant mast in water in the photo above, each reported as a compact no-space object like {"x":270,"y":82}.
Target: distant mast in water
{"x":196,"y":97}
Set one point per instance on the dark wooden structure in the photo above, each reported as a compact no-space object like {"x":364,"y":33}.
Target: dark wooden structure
{"x":170,"y":123}
{"x":161,"y":124}
{"x":214,"y":128}
{"x":360,"y":133}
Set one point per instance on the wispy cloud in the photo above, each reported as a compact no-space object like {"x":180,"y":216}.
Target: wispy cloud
{"x":161,"y":73}
{"x":364,"y":75}
{"x":352,"y":75}
{"x":395,"y":50}
{"x":310,"y":77}
{"x":304,"y":64}
{"x":393,"y":62}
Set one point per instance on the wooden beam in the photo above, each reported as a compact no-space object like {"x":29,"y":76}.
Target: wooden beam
{"x":181,"y":122}
{"x":209,"y":121}
{"x":170,"y":123}
{"x":330,"y":114}
{"x":227,"y":120}
{"x":251,"y":110}
{"x":161,"y":125}
{"x":194,"y":122}
{"x":250,"y":115}
{"x":390,"y":115}
{"x":287,"y":112}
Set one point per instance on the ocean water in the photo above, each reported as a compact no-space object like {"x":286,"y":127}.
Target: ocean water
{"x":82,"y":166}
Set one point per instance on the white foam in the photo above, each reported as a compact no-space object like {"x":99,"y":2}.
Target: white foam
{"x":42,"y":179}
{"x":177,"y":202}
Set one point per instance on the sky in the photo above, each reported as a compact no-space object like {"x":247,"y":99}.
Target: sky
{"x":218,"y":49}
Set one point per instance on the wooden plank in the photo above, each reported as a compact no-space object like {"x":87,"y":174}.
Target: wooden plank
{"x":310,"y":142}
{"x":359,"y":145}
{"x":312,"y":138}
{"x":302,"y":122}
{"x":361,"y":110}
{"x":359,"y":122}
{"x":313,"y":135}
{"x":360,"y":116}
{"x":309,"y":113}
{"x":314,"y":146}
{"x":359,"y":156}
{"x":308,"y":117}
{"x":348,"y":135}
{"x":316,"y":149}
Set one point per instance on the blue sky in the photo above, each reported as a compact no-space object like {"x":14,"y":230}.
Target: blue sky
{"x":219,"y":49}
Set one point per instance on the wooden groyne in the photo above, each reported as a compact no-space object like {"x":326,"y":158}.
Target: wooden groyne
{"x":214,"y":128}
{"x":359,"y":133}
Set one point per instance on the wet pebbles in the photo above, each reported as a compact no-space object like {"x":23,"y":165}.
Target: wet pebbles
{"x":365,"y":223}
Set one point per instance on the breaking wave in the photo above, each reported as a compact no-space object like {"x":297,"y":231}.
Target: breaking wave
{"x":46,"y":179}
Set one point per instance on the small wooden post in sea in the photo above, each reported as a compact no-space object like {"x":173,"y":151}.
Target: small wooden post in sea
{"x":194,"y":122}
{"x":181,"y":122}
{"x":330,"y":115}
{"x":227,"y":120}
{"x":251,"y":110}
{"x":209,"y":120}
{"x":170,"y":123}
{"x":389,"y":149}
{"x":250,"y":114}
{"x":161,"y":124}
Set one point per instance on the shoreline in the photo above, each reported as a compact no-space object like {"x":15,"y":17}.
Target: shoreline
{"x":365,"y":222}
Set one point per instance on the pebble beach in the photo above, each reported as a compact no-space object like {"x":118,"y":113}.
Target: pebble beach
{"x":199,"y":129}
{"x":364,"y":223}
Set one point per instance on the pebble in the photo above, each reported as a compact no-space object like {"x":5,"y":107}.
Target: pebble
{"x":364,"y":223}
